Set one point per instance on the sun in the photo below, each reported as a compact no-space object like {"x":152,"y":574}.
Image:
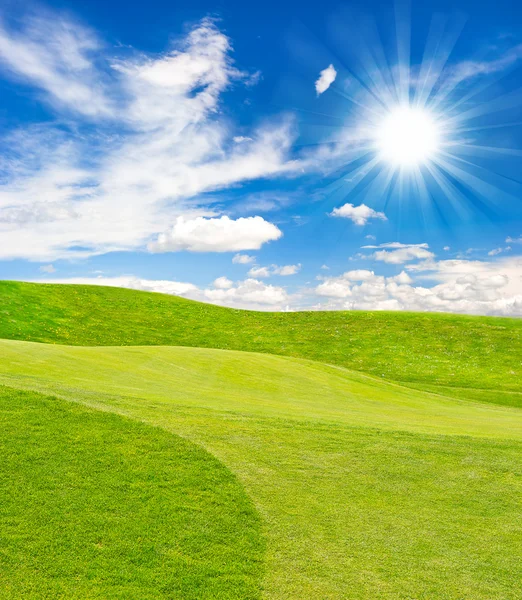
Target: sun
{"x":407,"y":137}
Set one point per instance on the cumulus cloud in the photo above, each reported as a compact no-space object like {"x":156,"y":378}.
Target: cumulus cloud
{"x":216,"y":235}
{"x":223,"y":283}
{"x":360,"y":215}
{"x":326,"y":78}
{"x":243,"y":259}
{"x":156,"y":140}
{"x":250,"y":293}
{"x":462,"y":286}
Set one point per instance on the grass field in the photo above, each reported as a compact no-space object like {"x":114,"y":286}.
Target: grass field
{"x":359,"y":487}
{"x":478,"y":355}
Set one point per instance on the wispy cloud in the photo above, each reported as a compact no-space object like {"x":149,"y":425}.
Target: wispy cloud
{"x":58,"y":56}
{"x":396,"y":253}
{"x":155,"y":142}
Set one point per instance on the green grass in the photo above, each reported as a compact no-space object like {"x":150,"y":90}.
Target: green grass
{"x":248,"y":384}
{"x":94,"y":505}
{"x":417,"y":349}
{"x":365,"y":488}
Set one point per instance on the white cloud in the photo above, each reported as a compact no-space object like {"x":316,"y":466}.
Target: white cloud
{"x":446,"y":248}
{"x":243,"y":259}
{"x":216,"y":235}
{"x":59,"y":59}
{"x":396,"y":253}
{"x":463,"y":286}
{"x":241,"y":138}
{"x":47,"y":269}
{"x":222,"y":283}
{"x":495,"y":251}
{"x":156,"y":141}
{"x":326,"y":78}
{"x":360,"y":215}
{"x":469,"y":69}
{"x":510,"y":240}
{"x":262,"y":272}
{"x":370,"y":237}
{"x":284,"y":270}
{"x":325,"y":267}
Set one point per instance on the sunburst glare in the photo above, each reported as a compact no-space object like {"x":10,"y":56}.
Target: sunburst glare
{"x":418,"y":132}
{"x":408,"y":136}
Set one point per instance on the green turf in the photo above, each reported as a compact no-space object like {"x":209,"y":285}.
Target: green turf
{"x":248,"y":384}
{"x":93,"y":505}
{"x":419,"y":349}
{"x":393,"y":507}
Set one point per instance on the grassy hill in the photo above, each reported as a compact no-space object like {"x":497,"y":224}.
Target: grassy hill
{"x":362,"y":488}
{"x":468,"y":357}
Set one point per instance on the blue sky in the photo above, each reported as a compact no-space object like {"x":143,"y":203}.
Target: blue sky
{"x":279,"y":156}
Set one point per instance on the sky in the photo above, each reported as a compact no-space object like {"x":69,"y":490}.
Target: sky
{"x":267,"y":156}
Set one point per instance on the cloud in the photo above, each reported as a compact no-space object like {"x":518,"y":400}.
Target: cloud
{"x":142,"y":140}
{"x":396,"y":253}
{"x":286,"y":270}
{"x":326,"y":78}
{"x":222,"y":283}
{"x":243,"y":259}
{"x":248,"y":294}
{"x":463,"y":286}
{"x":216,"y":235}
{"x":58,"y":57}
{"x":510,"y":240}
{"x":47,"y":269}
{"x":283,"y":271}
{"x":470,"y":69}
{"x":360,"y":215}
{"x":495,"y":251}
{"x":262,"y":272}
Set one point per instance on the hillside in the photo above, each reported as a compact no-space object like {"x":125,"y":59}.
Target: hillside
{"x":468,"y":357}
{"x":297,"y":469}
